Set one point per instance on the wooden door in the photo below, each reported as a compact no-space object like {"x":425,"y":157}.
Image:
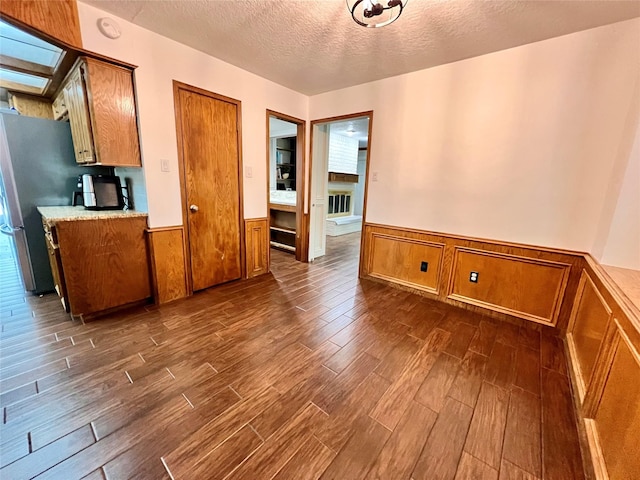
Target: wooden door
{"x":208,"y":130}
{"x":318,"y":227}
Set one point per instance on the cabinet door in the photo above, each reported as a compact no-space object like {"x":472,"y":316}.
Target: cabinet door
{"x":113,"y":114}
{"x":76,"y":135}
{"x":75,"y":98}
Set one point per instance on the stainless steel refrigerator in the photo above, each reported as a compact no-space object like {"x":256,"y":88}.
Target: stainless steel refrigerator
{"x":38,"y":168}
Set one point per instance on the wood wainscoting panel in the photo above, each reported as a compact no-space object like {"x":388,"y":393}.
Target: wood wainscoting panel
{"x":523,"y":287}
{"x":589,"y":321}
{"x":603,"y":341}
{"x":105,"y":262}
{"x":518,"y":283}
{"x":58,"y":18}
{"x":257,"y":246}
{"x":399,"y":259}
{"x":617,"y":417}
{"x":167,"y":254}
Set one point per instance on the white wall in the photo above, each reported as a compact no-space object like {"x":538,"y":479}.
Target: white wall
{"x":161,"y":60}
{"x":518,"y":145}
{"x":623,"y":240}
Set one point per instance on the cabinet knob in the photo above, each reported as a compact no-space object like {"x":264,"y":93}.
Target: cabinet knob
{"x":193,"y":208}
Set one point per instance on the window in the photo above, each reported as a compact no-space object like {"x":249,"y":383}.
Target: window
{"x":27,"y":63}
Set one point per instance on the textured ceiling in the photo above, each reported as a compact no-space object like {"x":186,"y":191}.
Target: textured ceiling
{"x":313,"y":46}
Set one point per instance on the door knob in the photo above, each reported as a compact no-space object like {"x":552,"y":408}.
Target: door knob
{"x":193,"y":208}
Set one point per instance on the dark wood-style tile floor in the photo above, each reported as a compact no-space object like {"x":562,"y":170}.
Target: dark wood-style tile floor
{"x":307,"y":373}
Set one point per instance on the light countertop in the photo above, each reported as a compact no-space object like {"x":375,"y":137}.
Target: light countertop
{"x":628,"y":281}
{"x":68,"y":213}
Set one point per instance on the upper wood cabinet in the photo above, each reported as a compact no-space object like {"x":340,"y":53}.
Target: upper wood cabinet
{"x":58,"y":18}
{"x":102,"y":113}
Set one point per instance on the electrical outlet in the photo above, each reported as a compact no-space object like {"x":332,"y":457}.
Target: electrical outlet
{"x":164,"y":165}
{"x":374,"y":176}
{"x":473,"y":277}
{"x":424,"y":266}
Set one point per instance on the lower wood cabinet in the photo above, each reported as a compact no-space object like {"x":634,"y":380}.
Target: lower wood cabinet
{"x":100,"y":264}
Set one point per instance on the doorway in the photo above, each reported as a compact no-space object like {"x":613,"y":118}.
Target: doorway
{"x":209,"y":153}
{"x":285,"y":185}
{"x":340,"y":151}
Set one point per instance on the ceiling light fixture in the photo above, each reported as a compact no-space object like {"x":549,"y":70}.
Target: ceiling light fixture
{"x":373,"y":13}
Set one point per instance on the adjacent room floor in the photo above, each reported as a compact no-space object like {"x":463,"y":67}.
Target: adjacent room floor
{"x":306,"y":373}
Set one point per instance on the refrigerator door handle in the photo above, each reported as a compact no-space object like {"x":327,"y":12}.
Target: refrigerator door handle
{"x":9,"y":230}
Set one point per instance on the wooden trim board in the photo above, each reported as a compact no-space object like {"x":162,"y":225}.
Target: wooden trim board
{"x":168,"y":263}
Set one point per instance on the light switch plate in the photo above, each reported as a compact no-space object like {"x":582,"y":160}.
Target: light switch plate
{"x":248,"y":172}
{"x":164,"y":165}
{"x":374,"y":176}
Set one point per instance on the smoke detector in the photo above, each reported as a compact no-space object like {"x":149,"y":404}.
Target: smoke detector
{"x":109,"y":28}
